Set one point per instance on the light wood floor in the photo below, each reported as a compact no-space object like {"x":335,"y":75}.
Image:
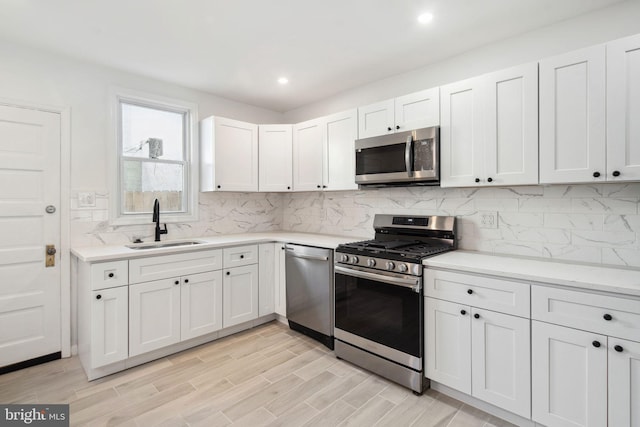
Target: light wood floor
{"x":268,"y":375}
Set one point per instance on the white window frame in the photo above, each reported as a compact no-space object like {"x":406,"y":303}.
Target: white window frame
{"x":117,"y":96}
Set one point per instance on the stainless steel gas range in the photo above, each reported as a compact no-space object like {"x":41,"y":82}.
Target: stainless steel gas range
{"x":379,"y":314}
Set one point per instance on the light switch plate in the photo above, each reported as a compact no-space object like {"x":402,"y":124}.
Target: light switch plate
{"x":86,"y":199}
{"x":488,"y":219}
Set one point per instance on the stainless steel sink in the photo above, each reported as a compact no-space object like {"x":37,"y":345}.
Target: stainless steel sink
{"x":158,"y":245}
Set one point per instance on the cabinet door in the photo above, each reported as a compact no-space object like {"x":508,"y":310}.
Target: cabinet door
{"x":448,"y":344}
{"x":236,"y":155}
{"x":240,"y":295}
{"x":417,"y":110}
{"x":511,"y":138}
{"x":340,"y":132}
{"x":154,"y":315}
{"x":461,"y":135}
{"x":572,"y":117}
{"x":200,"y":304}
{"x":376,"y":119}
{"x":280,"y":290}
{"x":267,"y":278}
{"x":275,"y":147}
{"x":109,"y":326}
{"x":308,"y":153}
{"x":623,"y":109}
{"x":569,"y":376}
{"x":624,"y":383}
{"x":501,"y":363}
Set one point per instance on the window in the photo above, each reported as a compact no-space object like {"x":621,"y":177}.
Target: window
{"x":155,"y":159}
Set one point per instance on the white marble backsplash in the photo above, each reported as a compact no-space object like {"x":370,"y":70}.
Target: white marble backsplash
{"x":598,"y":223}
{"x":594,"y":223}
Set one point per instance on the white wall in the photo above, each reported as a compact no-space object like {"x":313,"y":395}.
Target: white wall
{"x":617,"y":21}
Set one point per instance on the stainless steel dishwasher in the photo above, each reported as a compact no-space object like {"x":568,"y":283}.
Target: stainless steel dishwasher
{"x":309,"y":273}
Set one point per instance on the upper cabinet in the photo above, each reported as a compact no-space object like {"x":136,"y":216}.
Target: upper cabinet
{"x":572,"y":117}
{"x":275,"y":153}
{"x":489,"y":129}
{"x":623,"y":109}
{"x":413,"y":111}
{"x":228,"y":155}
{"x":324,"y":153}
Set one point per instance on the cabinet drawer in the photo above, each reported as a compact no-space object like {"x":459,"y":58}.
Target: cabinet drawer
{"x":241,"y":255}
{"x":109,"y":274}
{"x":587,"y":311}
{"x":500,"y":295}
{"x":166,"y":266}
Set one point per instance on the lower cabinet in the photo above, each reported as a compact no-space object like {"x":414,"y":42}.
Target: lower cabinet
{"x":280,"y":289}
{"x":624,"y":382}
{"x":479,"y":352}
{"x":268,"y":277}
{"x":240,"y":294}
{"x":109,"y":325}
{"x":200,"y":304}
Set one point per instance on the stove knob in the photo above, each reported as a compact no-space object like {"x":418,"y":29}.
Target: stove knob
{"x":390,"y":265}
{"x":403,"y":268}
{"x":344,"y":258}
{"x":354,"y":260}
{"x":371,"y":262}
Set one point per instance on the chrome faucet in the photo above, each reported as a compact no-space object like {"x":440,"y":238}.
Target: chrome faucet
{"x":156,"y":219}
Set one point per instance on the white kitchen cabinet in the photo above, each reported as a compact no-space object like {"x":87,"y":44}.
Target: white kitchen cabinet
{"x":280,"y":289}
{"x":572,"y":117}
{"x":109,"y":326}
{"x":154,"y":315}
{"x":267,"y":278}
{"x":624,"y":382}
{"x":228,"y":155}
{"x":623,"y":109}
{"x":489,"y":129}
{"x":240,"y":295}
{"x":569,"y":376}
{"x":275,"y":153}
{"x":324,"y":153}
{"x":200,"y":304}
{"x":405,"y":113}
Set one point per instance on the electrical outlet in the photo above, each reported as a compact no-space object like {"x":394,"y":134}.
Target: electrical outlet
{"x":488,"y":219}
{"x":86,"y":199}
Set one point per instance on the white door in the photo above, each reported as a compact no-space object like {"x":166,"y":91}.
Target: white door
{"x":109,"y":326}
{"x":275,"y":147}
{"x":236,"y":155}
{"x":240,"y":295}
{"x":624,"y":383}
{"x":501,"y":363}
{"x":308,"y":153}
{"x":340,"y":131}
{"x":511,"y":126}
{"x":623,"y":109}
{"x":569,"y":376}
{"x":417,"y":110}
{"x":200,"y":304}
{"x":29,"y":182}
{"x":448,"y":344}
{"x":572,"y":117}
{"x":461,"y":134}
{"x":376,"y":119}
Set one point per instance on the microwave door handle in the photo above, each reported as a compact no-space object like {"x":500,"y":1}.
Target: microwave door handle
{"x":408,"y":154}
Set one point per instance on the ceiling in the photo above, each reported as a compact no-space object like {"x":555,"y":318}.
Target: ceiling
{"x":237,"y":49}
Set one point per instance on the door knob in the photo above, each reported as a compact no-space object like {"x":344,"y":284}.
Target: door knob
{"x":50,"y":258}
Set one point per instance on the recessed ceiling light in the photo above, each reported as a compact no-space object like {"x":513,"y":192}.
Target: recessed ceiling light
{"x":283,"y":80}
{"x":425,"y":18}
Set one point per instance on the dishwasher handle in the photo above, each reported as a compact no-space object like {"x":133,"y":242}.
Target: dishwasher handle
{"x":303,"y":256}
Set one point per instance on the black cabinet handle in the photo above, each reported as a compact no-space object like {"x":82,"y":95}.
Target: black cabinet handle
{"x":618,"y":348}
{"x":389,"y":128}
{"x":469,"y":291}
{"x":607,"y":317}
{"x":489,"y":179}
{"x":463,"y":312}
{"x":596,"y":174}
{"x":288,"y":188}
{"x":596,"y":344}
{"x":186,"y":280}
{"x":98,"y":296}
{"x":241,"y":256}
{"x":324,"y":186}
{"x":477,"y":179}
{"x":318,"y":186}
{"x":477,"y":316}
{"x":177,"y":282}
{"x":616,"y":173}
{"x":397,"y":127}
{"x":219,"y":186}
{"x":228,"y":273}
{"x":111,"y":274}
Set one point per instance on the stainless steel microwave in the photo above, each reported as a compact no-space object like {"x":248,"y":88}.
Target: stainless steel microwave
{"x":402,"y":158}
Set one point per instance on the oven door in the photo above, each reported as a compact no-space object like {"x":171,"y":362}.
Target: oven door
{"x":380,"y":312}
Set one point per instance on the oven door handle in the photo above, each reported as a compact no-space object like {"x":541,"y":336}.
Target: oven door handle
{"x":408,"y":154}
{"x":413,"y":283}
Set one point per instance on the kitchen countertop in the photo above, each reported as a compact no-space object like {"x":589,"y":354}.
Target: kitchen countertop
{"x":112,"y":252}
{"x":582,"y":276}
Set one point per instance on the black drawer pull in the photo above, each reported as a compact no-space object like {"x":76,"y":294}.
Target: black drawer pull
{"x":607,"y":317}
{"x":596,"y":344}
{"x":618,"y":348}
{"x":177,"y":282}
{"x":463,"y":312}
{"x":469,"y":291}
{"x":111,"y":274}
{"x":186,"y":280}
{"x":477,"y":316}
{"x":616,"y":173}
{"x":477,"y":179}
{"x":241,"y":256}
{"x":98,"y":296}
{"x":228,"y":273}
